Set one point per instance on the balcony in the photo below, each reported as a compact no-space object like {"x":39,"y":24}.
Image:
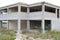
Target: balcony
{"x":30,"y":16}
{"x":35,"y":15}
{"x":40,"y":15}
{"x":13,"y":16}
{"x":49,"y":15}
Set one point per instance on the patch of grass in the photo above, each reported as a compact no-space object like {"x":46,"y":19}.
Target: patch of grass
{"x":48,"y":35}
{"x":7,"y":35}
{"x":10,"y":35}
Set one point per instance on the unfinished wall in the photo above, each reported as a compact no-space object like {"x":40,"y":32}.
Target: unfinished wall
{"x":56,"y":25}
{"x":13,"y":25}
{"x":4,"y":24}
{"x":13,"y":9}
{"x":0,"y":24}
{"x":23,"y":24}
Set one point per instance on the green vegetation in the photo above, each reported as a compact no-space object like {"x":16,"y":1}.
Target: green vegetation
{"x":48,"y":35}
{"x":10,"y":35}
{"x":7,"y":34}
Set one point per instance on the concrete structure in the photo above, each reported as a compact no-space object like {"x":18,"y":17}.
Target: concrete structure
{"x":21,"y":16}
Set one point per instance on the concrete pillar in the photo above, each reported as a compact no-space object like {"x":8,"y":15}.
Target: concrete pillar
{"x":59,"y":13}
{"x":28,"y":22}
{"x":19,"y":21}
{"x":43,"y":26}
{"x":19,"y":36}
{"x":28,"y":11}
{"x":19,"y":26}
{"x":43,"y":10}
{"x":7,"y":24}
{"x":19,"y":8}
{"x":0,"y":24}
{"x":8,"y":11}
{"x":28,"y":25}
{"x":56,"y":12}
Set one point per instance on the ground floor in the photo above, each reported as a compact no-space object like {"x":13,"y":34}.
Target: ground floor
{"x":34,"y":25}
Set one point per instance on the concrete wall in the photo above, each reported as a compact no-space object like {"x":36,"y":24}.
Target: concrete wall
{"x":40,"y":15}
{"x":13,"y":16}
{"x":5,"y":25}
{"x":23,"y":24}
{"x":48,"y":15}
{"x":35,"y":15}
{"x":56,"y":24}
{"x":13,"y":25}
{"x":13,"y":9}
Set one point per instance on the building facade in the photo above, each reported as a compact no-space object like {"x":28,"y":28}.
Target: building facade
{"x":22,"y":16}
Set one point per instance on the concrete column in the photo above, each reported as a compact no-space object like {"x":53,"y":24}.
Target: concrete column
{"x":19,"y":26}
{"x":19,"y":8}
{"x":56,"y":12}
{"x":28,"y":25}
{"x":43,"y":26}
{"x":0,"y":24}
{"x":19,"y":36}
{"x":7,"y":24}
{"x":7,"y":10}
{"x":43,"y":10}
{"x":59,"y":13}
{"x":19,"y":21}
{"x":7,"y":19}
{"x":28,"y":11}
{"x":28,"y":22}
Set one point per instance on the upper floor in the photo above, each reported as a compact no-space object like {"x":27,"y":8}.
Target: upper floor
{"x":32,"y":12}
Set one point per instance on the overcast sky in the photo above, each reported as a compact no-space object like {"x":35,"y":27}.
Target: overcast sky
{"x":8,"y":2}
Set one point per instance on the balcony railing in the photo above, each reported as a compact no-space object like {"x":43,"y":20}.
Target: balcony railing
{"x":35,"y":15}
{"x":13,"y":16}
{"x":49,"y":15}
{"x":32,"y":16}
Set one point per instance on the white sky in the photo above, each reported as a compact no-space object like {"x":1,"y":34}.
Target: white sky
{"x":8,"y":2}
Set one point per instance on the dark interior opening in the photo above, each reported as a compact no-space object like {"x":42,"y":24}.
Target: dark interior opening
{"x":14,"y":9}
{"x":57,"y":13}
{"x":47,"y":25}
{"x":35,"y":24}
{"x":23,"y":9}
{"x":50,"y":9}
{"x":3,"y":11}
{"x":36,"y":8}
